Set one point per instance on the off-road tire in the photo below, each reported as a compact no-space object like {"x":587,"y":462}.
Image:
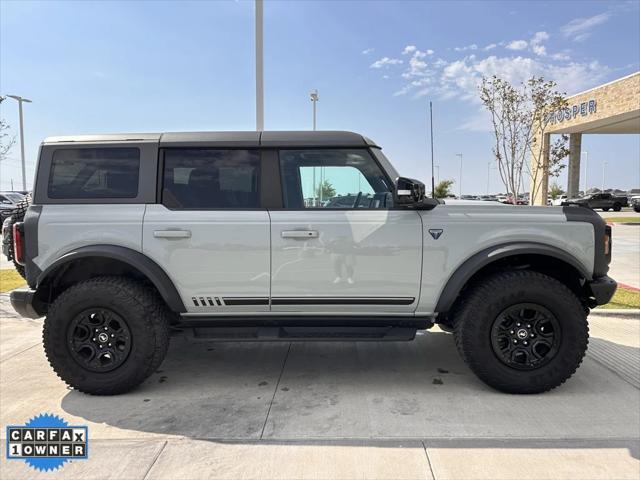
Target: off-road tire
{"x":17,"y":216}
{"x":147,"y":319}
{"x":480,"y":305}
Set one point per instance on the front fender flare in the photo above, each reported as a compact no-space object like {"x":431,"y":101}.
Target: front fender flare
{"x":150,"y":269}
{"x":473,"y":264}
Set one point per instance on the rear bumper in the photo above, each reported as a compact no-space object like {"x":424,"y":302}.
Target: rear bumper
{"x":23,"y":302}
{"x":603,"y":289}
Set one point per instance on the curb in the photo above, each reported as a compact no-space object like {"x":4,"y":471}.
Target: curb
{"x":628,"y":313}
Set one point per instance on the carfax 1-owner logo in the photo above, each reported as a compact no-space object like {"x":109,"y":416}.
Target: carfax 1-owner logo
{"x":46,"y":442}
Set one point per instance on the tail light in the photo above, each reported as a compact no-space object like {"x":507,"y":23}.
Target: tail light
{"x":18,"y":243}
{"x":607,"y":242}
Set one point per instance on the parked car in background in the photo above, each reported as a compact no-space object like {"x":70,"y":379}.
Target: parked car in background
{"x":8,"y":202}
{"x":605,"y":201}
{"x":558,"y":201}
{"x":635,"y":203}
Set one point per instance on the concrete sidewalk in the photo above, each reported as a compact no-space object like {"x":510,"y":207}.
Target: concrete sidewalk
{"x":336,"y":410}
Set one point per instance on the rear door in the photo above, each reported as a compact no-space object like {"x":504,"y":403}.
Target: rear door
{"x":209,"y":231}
{"x":338,"y":245}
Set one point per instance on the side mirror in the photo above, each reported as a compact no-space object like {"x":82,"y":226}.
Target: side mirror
{"x":410,"y":193}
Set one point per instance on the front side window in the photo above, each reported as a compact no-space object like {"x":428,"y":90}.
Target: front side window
{"x":211,"y":178}
{"x":88,"y":173}
{"x":333,"y":179}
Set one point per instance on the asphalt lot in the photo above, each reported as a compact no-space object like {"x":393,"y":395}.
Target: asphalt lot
{"x":336,"y":410}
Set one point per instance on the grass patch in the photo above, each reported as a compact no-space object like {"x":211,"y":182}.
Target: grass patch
{"x":624,"y":298}
{"x":623,"y":219}
{"x":10,"y":279}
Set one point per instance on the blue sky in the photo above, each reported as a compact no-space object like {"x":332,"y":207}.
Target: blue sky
{"x":97,"y":67}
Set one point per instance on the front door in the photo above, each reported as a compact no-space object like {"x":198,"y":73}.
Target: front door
{"x":339,"y":246}
{"x":209,"y":233}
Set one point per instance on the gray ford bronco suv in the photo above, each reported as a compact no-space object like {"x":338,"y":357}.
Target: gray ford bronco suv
{"x":291,"y":236}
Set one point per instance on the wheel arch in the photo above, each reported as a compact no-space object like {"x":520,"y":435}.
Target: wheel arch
{"x":97,"y":260}
{"x":536,"y":256}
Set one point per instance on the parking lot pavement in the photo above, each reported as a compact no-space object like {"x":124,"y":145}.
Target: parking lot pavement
{"x":625,"y":255}
{"x":336,"y":410}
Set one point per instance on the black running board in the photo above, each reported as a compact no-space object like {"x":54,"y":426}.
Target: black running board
{"x":290,"y":334}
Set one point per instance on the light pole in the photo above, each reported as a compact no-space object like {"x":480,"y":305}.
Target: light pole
{"x":460,"y":178}
{"x":586,"y":171}
{"x":604,"y":166}
{"x":259,"y":68}
{"x":314,"y":100}
{"x":20,"y":101}
{"x":488,"y":175}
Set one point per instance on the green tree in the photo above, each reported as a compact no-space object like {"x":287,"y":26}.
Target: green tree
{"x":555,"y":191}
{"x":325,"y":190}
{"x":443,"y":189}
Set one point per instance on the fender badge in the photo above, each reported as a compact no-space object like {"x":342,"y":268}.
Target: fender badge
{"x":435,"y":232}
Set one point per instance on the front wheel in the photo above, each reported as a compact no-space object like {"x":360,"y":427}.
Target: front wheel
{"x":521,"y":331}
{"x":106,"y":335}
{"x":605,"y":209}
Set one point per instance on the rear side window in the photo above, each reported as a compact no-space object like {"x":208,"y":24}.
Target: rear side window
{"x":87,"y":173}
{"x":211,"y":178}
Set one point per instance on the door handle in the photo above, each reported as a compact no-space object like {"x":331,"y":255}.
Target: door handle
{"x":172,"y":233}
{"x":299,"y":234}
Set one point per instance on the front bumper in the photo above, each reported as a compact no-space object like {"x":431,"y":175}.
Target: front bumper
{"x":24,"y":302}
{"x":603,"y":289}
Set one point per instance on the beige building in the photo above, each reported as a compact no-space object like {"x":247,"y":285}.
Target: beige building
{"x":610,"y":108}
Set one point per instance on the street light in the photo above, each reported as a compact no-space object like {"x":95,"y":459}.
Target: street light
{"x":20,"y":101}
{"x":314,"y":100}
{"x":460,"y":178}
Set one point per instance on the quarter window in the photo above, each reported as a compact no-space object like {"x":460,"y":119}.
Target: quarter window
{"x":210,"y":179}
{"x":333,"y":179}
{"x":84,"y":173}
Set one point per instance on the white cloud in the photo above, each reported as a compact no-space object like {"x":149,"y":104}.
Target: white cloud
{"x":536,"y":43}
{"x":473,"y":46}
{"x":579,"y":29}
{"x":429,"y":52}
{"x":539,"y":50}
{"x":563,"y":56}
{"x":385,"y":62}
{"x":409,"y":49}
{"x":517,"y":45}
{"x":540,"y":37}
{"x":367,"y":51}
{"x":491,"y":46}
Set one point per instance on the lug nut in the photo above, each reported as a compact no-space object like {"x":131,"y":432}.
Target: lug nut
{"x":525,"y":342}
{"x":528,"y":326}
{"x":515,"y":341}
{"x":518,"y":324}
{"x":93,"y":339}
{"x":512,"y":332}
{"x":112,"y":335}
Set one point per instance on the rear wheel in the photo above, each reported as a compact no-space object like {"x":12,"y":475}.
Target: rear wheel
{"x":605,"y":209}
{"x":106,"y":335}
{"x":521,"y":331}
{"x":617,"y":207}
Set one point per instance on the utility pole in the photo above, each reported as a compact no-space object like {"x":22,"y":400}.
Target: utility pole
{"x":259,"y":68}
{"x":460,"y":177}
{"x":314,"y":100}
{"x":433,"y":182}
{"x":488,"y":175}
{"x":20,"y":101}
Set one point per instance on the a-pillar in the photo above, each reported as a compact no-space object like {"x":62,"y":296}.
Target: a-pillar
{"x":575,"y":151}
